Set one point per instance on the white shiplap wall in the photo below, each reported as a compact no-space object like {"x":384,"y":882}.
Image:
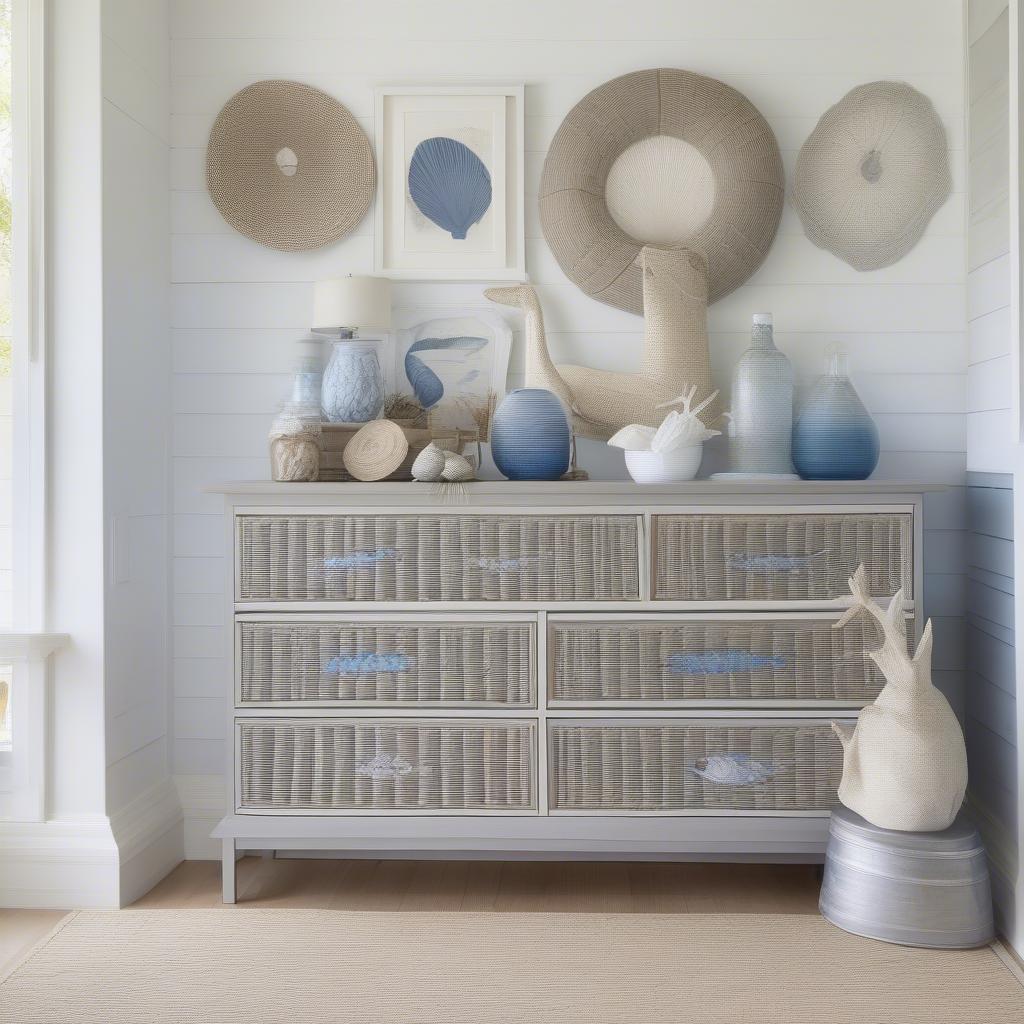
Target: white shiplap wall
{"x":990,"y":433}
{"x":136,"y":394}
{"x":236,"y":305}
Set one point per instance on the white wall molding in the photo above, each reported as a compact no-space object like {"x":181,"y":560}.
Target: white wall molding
{"x":202,"y":803}
{"x":58,"y":864}
{"x":148,"y":833}
{"x":1001,"y":847}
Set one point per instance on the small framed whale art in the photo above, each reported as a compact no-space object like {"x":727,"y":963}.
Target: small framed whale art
{"x":450,"y":204}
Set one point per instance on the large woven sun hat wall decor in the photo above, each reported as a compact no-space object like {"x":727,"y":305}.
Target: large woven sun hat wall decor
{"x":376,"y":450}
{"x":872,"y":174}
{"x":663,"y":157}
{"x":288,"y":166}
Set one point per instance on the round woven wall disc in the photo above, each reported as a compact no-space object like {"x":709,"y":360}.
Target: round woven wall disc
{"x":376,"y":450}
{"x":288,"y":166}
{"x":872,"y":174}
{"x":625,"y":135}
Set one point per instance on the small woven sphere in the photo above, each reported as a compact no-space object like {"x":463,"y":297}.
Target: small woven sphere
{"x":429,"y":464}
{"x":872,"y":174}
{"x":376,"y":450}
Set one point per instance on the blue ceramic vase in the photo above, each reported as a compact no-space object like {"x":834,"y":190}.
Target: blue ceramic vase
{"x":353,"y":385}
{"x":530,"y":436}
{"x":834,"y":437}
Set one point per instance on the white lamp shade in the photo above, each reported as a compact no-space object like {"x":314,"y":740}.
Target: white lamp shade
{"x":351,"y":302}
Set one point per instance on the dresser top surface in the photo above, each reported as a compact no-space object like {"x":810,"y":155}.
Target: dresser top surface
{"x":582,"y":492}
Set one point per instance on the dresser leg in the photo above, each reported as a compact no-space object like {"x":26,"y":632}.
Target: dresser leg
{"x":228,"y":869}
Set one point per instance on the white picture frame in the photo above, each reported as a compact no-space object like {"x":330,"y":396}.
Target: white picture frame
{"x":467,"y":143}
{"x":409,"y":325}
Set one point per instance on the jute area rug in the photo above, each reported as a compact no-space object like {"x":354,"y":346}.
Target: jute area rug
{"x":314,"y":967}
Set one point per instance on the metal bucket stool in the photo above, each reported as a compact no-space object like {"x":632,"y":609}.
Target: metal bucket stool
{"x":914,"y":888}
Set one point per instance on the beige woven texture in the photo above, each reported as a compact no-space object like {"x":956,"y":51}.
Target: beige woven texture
{"x":780,"y":557}
{"x":732,"y":659}
{"x":872,"y":174}
{"x":334,"y":175}
{"x":462,"y":664}
{"x":241,"y":966}
{"x":650,"y":767}
{"x":438,"y":558}
{"x":376,"y":450}
{"x":387,"y":766}
{"x":676,"y":356}
{"x":724,"y":127}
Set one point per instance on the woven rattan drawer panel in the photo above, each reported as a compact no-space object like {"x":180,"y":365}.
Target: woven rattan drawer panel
{"x":438,"y":558}
{"x":324,"y":765}
{"x":753,"y":658}
{"x":477,"y":664}
{"x":693,"y":766}
{"x":780,"y":557}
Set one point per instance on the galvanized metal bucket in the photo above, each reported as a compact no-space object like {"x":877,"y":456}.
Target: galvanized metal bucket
{"x":926,"y":889}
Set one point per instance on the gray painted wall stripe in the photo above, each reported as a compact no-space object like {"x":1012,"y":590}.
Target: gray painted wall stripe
{"x":990,"y":511}
{"x":999,"y":480}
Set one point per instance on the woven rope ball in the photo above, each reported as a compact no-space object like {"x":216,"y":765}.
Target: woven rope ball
{"x":376,"y":450}
{"x":872,"y":174}
{"x":667,"y":157}
{"x":288,"y":166}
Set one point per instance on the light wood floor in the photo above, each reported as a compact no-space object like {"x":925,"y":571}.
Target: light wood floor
{"x":464,"y":886}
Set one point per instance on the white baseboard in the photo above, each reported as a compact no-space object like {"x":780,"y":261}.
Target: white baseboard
{"x":58,"y":865}
{"x":150,"y":839}
{"x":203,"y":805}
{"x":1001,"y":848}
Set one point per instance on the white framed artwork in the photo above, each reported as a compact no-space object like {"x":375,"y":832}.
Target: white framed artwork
{"x":450,"y":201}
{"x":453,"y":363}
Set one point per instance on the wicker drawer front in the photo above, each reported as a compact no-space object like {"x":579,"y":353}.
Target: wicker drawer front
{"x":780,"y":557}
{"x":326,"y":765}
{"x":742,"y":658}
{"x":693,"y":766}
{"x":482,"y":664}
{"x":438,"y":558}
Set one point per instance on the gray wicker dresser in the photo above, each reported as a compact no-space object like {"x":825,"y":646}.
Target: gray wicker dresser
{"x":549,"y":670}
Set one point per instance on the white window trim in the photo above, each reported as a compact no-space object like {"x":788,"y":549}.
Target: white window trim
{"x":29,"y":308}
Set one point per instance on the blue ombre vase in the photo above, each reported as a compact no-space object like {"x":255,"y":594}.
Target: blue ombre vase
{"x":530,"y":436}
{"x":834,"y":437}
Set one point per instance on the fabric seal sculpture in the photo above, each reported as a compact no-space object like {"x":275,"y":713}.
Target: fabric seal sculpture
{"x":905,"y":763}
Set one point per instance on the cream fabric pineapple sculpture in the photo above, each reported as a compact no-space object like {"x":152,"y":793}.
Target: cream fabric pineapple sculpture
{"x":905,"y":763}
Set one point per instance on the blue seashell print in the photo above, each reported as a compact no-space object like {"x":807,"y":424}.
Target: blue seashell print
{"x":721,"y":663}
{"x":772,"y":563}
{"x":426,"y":385}
{"x":449,"y":184}
{"x":732,"y":770}
{"x":368,"y":661}
{"x":361,"y":559}
{"x":503,"y":564}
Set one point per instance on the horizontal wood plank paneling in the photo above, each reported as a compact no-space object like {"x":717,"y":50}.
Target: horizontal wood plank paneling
{"x":237,"y":306}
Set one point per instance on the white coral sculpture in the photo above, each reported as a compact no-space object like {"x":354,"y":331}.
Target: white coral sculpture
{"x":677,"y":429}
{"x":905,"y":763}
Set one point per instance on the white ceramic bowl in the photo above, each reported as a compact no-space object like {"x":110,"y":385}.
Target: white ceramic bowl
{"x":665,"y":467}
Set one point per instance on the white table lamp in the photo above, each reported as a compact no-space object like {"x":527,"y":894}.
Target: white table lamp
{"x":346,"y":304}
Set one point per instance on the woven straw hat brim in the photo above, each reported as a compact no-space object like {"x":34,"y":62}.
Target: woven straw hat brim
{"x":376,"y":450}
{"x":719,"y":122}
{"x":872,"y":174}
{"x":334,"y":179}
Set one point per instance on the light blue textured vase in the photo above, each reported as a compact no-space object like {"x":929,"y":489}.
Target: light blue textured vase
{"x":530,"y":436}
{"x":835,"y":437}
{"x":353,"y":386}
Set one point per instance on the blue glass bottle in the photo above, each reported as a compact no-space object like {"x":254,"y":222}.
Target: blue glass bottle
{"x":835,"y":437}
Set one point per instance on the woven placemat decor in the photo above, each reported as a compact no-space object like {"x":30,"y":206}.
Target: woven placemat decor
{"x":723,"y":126}
{"x":288,"y":166}
{"x":872,"y":174}
{"x":376,"y":450}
